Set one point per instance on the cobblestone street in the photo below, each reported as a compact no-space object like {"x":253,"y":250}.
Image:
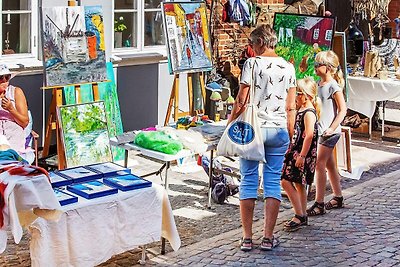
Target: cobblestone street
{"x":364,"y":233}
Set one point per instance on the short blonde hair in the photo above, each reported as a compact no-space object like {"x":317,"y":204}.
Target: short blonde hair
{"x":264,"y":35}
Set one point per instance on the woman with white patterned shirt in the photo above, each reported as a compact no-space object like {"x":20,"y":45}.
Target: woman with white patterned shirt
{"x":275,"y":92}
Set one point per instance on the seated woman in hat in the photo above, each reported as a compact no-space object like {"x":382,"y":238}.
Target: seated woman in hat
{"x":13,"y":111}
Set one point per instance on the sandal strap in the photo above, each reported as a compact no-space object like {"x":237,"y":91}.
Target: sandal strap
{"x":338,"y":204}
{"x":317,"y":205}
{"x":273,"y":242}
{"x":302,"y":219}
{"x":246,"y":241}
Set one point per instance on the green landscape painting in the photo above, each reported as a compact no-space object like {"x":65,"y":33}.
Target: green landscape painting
{"x":108,"y":93}
{"x":85,"y":133}
{"x":301,"y":37}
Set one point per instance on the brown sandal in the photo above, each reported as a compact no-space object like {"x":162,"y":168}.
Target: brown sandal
{"x":334,"y":203}
{"x":318,"y":208}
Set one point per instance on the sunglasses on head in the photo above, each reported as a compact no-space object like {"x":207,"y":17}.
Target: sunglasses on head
{"x":4,"y":77}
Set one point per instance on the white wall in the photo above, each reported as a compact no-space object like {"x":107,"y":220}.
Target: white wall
{"x":165,"y":82}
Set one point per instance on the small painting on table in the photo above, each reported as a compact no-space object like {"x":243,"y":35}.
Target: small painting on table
{"x":301,"y":37}
{"x":73,"y":45}
{"x":188,"y":38}
{"x":84,"y":133}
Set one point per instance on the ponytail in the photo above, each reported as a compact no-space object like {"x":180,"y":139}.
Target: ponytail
{"x":338,"y":76}
{"x":316,"y":101}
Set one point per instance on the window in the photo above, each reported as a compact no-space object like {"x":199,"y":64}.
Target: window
{"x":137,"y":24}
{"x":18,"y":28}
{"x":316,"y":34}
{"x":328,"y":35}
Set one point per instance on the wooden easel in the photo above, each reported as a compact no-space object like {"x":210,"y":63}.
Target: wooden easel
{"x":174,"y":98}
{"x":54,"y":125}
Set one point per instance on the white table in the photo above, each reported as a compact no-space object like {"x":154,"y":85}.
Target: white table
{"x":363,"y":93}
{"x":166,"y":158}
{"x":90,"y":232}
{"x":27,"y":195}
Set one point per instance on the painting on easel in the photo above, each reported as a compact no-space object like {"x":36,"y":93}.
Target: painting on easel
{"x":188,"y":37}
{"x":73,"y":45}
{"x":84,"y":133}
{"x":301,"y":37}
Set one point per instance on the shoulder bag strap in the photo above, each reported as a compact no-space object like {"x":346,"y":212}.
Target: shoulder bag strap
{"x":252,"y":85}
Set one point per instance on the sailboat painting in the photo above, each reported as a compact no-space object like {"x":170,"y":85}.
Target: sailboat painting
{"x":73,"y":45}
{"x":188,"y":37}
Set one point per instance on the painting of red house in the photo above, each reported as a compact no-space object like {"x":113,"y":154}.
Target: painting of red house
{"x":316,"y":30}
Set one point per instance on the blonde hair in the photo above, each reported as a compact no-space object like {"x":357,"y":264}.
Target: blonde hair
{"x":264,"y":35}
{"x":309,"y":87}
{"x":332,"y":62}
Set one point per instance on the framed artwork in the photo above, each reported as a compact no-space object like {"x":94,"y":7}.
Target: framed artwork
{"x":343,"y":150}
{"x":73,"y":45}
{"x":301,"y":37}
{"x":339,"y":47}
{"x":84,"y":133}
{"x":108,"y":93}
{"x":187,"y":36}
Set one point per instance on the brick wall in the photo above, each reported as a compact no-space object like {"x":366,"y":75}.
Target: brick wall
{"x":230,"y":39}
{"x":394,"y":12}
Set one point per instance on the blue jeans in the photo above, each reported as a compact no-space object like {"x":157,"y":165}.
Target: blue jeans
{"x":276,"y":142}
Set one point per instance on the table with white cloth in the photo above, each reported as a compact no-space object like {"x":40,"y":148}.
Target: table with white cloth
{"x":90,"y":232}
{"x":363,"y":93}
{"x":25,"y":195}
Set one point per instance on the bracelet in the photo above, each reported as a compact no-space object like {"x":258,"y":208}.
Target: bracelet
{"x":301,"y":156}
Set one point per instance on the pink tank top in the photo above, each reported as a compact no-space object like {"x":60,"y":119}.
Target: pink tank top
{"x":9,"y":127}
{"x":10,"y":94}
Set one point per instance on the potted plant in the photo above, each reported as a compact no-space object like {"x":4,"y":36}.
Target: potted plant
{"x":119,"y":28}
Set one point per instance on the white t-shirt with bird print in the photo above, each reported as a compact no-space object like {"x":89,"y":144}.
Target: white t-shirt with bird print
{"x":273,"y":76}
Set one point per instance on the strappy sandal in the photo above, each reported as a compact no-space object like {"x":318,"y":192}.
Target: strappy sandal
{"x":316,"y":209}
{"x":268,"y":244}
{"x":334,"y":203}
{"x":292,"y":226}
{"x":246,"y":244}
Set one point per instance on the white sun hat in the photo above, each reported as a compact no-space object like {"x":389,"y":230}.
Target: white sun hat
{"x":4,"y":70}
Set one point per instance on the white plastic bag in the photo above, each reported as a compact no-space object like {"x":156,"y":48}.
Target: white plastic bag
{"x":242,"y":137}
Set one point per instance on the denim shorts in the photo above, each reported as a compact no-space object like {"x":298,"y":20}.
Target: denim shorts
{"x":330,"y":140}
{"x":276,"y":141}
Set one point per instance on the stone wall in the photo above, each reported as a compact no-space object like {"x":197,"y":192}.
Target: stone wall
{"x":230,"y":38}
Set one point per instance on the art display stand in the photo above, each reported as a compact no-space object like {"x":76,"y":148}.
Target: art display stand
{"x":53,"y":124}
{"x":174,"y":97}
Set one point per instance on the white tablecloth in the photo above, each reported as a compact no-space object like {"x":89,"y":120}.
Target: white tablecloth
{"x":27,"y":195}
{"x":92,"y":231}
{"x":364,"y":92}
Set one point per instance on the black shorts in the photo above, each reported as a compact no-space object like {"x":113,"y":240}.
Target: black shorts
{"x":329,"y":140}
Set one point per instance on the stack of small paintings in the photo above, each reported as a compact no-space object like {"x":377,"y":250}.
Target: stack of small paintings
{"x":93,"y":181}
{"x":301,"y":37}
{"x":188,"y":37}
{"x":127,"y":182}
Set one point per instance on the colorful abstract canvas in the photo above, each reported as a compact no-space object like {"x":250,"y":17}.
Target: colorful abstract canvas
{"x":108,"y":93}
{"x":301,"y":37}
{"x":73,"y":45}
{"x":84,"y":133}
{"x":188,"y":37}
